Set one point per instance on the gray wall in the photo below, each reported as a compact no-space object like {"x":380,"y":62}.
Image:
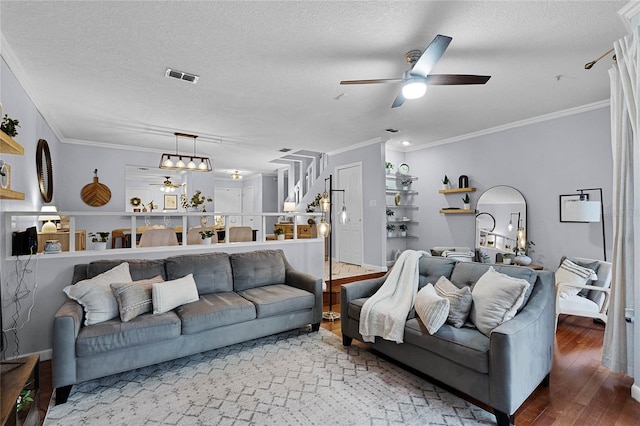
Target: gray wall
{"x":542,"y":161}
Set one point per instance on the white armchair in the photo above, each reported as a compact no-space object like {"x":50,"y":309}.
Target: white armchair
{"x":596,"y":303}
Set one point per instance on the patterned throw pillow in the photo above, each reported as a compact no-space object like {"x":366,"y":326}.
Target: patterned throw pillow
{"x":461,"y":256}
{"x":134,"y":298}
{"x":431,"y":308}
{"x":460,"y":301}
{"x":594,"y":266}
{"x":571,"y":273}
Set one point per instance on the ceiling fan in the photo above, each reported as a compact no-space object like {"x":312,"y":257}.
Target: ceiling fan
{"x":415,"y":80}
{"x":167,"y":185}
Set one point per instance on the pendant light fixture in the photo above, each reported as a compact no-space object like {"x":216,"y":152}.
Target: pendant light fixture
{"x":175,"y":161}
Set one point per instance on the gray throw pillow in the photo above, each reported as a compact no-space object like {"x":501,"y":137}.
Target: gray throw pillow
{"x":460,"y":300}
{"x":134,"y":298}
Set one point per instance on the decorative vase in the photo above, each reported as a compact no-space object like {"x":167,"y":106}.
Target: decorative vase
{"x":403,"y":233}
{"x":405,"y":187}
{"x":398,"y":198}
{"x":463,"y":181}
{"x":100,"y":245}
{"x":446,"y":186}
{"x":466,"y":206}
{"x":52,"y":246}
{"x":206,"y":240}
{"x":389,"y":234}
{"x":522,"y":260}
{"x":203,"y":221}
{"x":280,"y":237}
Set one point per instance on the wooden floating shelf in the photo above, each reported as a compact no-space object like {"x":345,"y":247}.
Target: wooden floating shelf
{"x":9,"y":146}
{"x":456,"y":190}
{"x":8,"y":194}
{"x":456,"y":211}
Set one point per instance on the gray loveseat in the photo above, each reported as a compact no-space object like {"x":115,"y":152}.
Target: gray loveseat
{"x":242,"y":296}
{"x":501,"y":370}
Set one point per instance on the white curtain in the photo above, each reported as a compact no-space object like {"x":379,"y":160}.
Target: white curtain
{"x":618,"y":343}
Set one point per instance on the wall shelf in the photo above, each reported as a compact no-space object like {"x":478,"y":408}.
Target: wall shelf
{"x":9,"y":194}
{"x":456,"y":190}
{"x":8,"y":145}
{"x":456,"y":211}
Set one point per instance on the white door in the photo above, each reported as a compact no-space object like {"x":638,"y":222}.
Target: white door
{"x":229,"y":200}
{"x":248,"y":207}
{"x":349,"y":236}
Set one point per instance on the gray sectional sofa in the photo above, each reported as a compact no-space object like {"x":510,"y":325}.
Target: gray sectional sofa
{"x":500,"y":370}
{"x":242,"y":296}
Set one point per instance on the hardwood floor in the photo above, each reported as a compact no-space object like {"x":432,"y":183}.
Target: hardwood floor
{"x":581,"y":391}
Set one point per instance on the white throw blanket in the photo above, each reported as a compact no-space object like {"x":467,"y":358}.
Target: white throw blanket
{"x":385,"y":313}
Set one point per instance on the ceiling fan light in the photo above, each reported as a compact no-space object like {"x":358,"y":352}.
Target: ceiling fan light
{"x":414,"y":88}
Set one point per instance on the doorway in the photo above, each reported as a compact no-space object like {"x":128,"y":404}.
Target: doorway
{"x":349,"y":236}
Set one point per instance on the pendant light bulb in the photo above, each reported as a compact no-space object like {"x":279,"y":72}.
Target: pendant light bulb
{"x":202,"y":165}
{"x":343,"y":217}
{"x":180,"y":164}
{"x":325,"y":203}
{"x":191,"y":164}
{"x":323,"y":228}
{"x":168,"y":162}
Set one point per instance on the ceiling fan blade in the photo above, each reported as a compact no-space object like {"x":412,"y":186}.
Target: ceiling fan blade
{"x":376,"y":81}
{"x":431,"y":55}
{"x":453,"y":79}
{"x":399,"y":100}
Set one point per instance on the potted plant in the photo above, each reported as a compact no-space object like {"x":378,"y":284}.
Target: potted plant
{"x":445,"y":183}
{"x":135,"y":203}
{"x":467,"y":202}
{"x":9,"y":125}
{"x":388,"y":167}
{"x":403,"y":230}
{"x":206,"y":236}
{"x":390,"y":214}
{"x":390,"y":228}
{"x":406,"y":183}
{"x":279,"y":233}
{"x":196,"y":200}
{"x":99,"y":240}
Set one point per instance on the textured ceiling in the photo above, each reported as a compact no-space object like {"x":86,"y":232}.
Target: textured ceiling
{"x":270,"y":71}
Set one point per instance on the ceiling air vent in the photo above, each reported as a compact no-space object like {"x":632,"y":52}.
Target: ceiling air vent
{"x":191,"y":78}
{"x":285,"y":150}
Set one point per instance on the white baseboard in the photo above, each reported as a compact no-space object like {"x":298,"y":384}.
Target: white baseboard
{"x":635,"y":392}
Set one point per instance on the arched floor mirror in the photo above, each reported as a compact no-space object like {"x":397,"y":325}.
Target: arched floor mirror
{"x":501,"y":221}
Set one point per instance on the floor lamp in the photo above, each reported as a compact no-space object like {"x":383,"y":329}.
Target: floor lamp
{"x":584,"y":210}
{"x":325,"y":230}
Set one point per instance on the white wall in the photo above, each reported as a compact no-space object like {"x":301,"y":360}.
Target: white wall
{"x":542,"y":161}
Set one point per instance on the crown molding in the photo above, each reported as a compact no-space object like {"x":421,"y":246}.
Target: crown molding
{"x":628,"y":13}
{"x":516,"y":124}
{"x":356,"y":146}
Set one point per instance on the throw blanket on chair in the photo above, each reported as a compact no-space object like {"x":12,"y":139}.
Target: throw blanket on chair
{"x":385,"y":313}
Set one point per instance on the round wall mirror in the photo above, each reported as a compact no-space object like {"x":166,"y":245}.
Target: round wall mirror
{"x":45,"y":170}
{"x":502,"y":212}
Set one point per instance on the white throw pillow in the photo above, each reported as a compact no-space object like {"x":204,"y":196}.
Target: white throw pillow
{"x":461,"y":256}
{"x":496,"y":299}
{"x":95,"y":294}
{"x":431,"y":308}
{"x":168,"y":295}
{"x":570,"y":273}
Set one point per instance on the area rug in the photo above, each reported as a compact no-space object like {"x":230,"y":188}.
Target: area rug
{"x":293,"y":378}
